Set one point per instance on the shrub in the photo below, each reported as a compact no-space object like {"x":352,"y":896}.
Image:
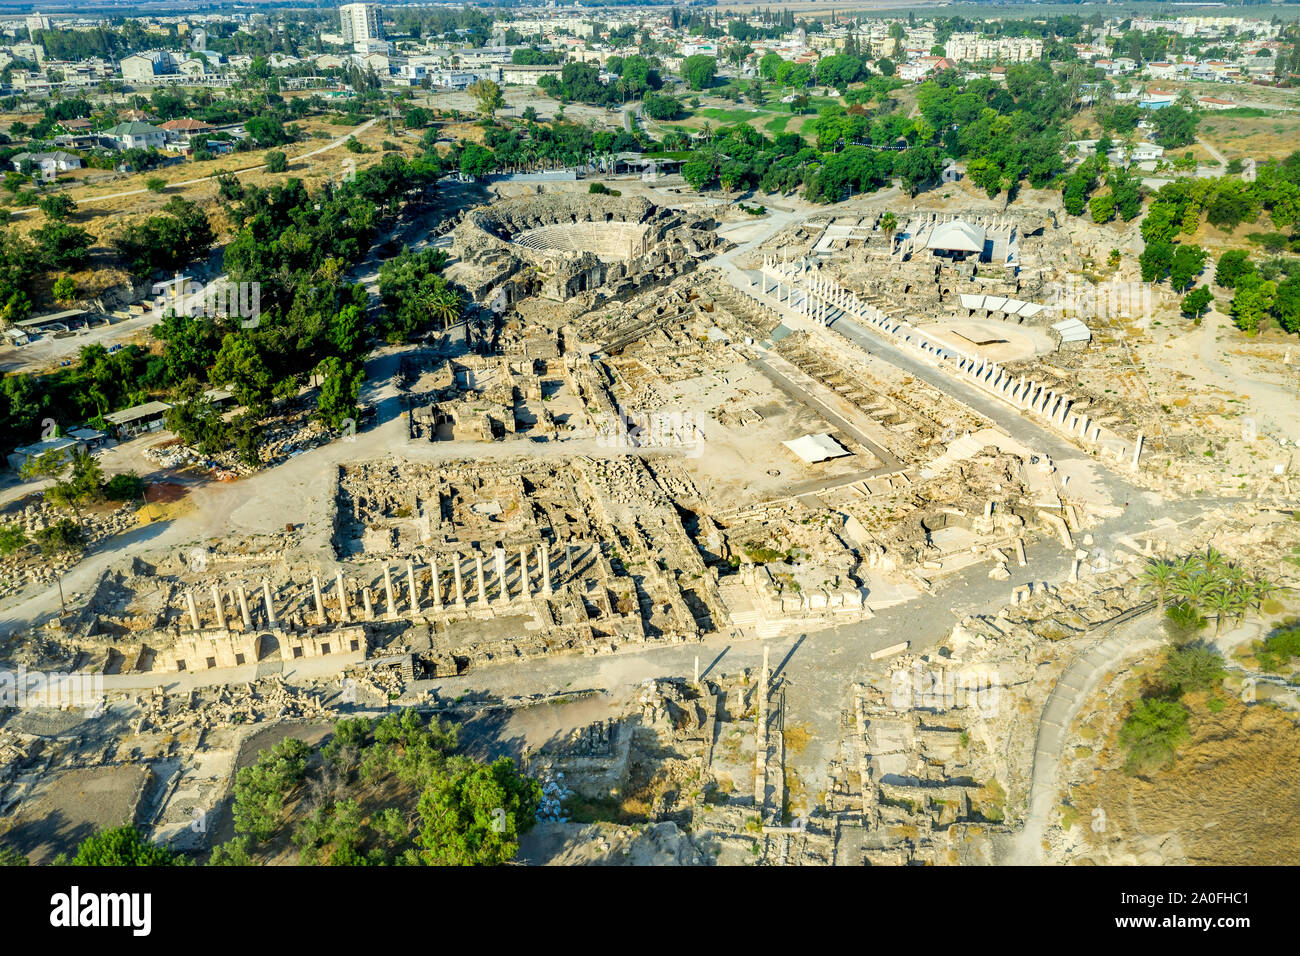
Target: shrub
{"x":1152,"y":733}
{"x":1183,"y":623}
{"x":12,"y":539}
{"x":1192,"y":667}
{"x":124,"y":487}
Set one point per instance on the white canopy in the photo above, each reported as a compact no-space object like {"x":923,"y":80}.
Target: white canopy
{"x":814,"y":448}
{"x":957,"y":236}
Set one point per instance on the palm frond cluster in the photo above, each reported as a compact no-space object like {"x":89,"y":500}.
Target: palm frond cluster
{"x":1206,"y":584}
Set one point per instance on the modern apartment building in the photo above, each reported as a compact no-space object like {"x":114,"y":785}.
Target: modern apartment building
{"x":360,"y":22}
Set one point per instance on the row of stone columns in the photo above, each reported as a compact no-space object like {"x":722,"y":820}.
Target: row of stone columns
{"x":458,"y":596}
{"x":503,"y":596}
{"x":1056,"y":408}
{"x":241,"y":599}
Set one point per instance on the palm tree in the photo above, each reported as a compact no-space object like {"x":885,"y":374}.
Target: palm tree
{"x":1223,"y":603}
{"x":444,"y":304}
{"x":1261,"y":590}
{"x":1194,"y":589}
{"x":1157,"y":576}
{"x":1213,"y":560}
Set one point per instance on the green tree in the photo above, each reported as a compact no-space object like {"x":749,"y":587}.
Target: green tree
{"x":1187,"y":264}
{"x":472,"y":814}
{"x":12,"y":539}
{"x":1156,"y":577}
{"x":1197,"y":302}
{"x":487,"y":96}
{"x":239,"y":365}
{"x":698,"y":71}
{"x":62,"y":537}
{"x":1102,"y":207}
{"x":340,"y":387}
{"x":1191,"y":668}
{"x":1233,"y":264}
{"x":701,"y":170}
{"x":260,"y":790}
{"x":276,"y":161}
{"x":476,"y":160}
{"x":57,"y":207}
{"x":1252,"y":302}
{"x":64,"y":289}
{"x":11,"y":857}
{"x":1151,"y":733}
{"x":122,"y":846}
{"x":234,"y":852}
{"x":127,"y":486}
{"x":1156,"y":260}
{"x":1286,"y":304}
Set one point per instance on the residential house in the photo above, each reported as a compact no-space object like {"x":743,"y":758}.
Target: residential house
{"x":1157,"y":99}
{"x":136,"y":135}
{"x":181,"y":132}
{"x":1214,"y":103}
{"x":48,"y":165}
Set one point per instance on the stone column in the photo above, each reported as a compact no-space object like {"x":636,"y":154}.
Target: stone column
{"x":437,"y":588}
{"x":194,"y":611}
{"x":1020,"y":551}
{"x":220,"y":607}
{"x":320,"y":603}
{"x":270,"y":609}
{"x":410,"y":587}
{"x":525,"y":589}
{"x":388,"y":593}
{"x":1137,"y":451}
{"x":243,"y":607}
{"x":369,"y":608}
{"x":499,"y":560}
{"x":478,"y":570}
{"x":544,"y":558}
{"x":460,"y":583}
{"x":343,"y":598}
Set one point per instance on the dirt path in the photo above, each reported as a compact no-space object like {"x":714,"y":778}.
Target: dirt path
{"x":1075,"y":685}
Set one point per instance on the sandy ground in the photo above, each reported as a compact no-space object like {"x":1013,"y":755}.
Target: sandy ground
{"x":1230,"y":798}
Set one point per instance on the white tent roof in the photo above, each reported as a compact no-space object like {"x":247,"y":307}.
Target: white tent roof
{"x":995,"y":303}
{"x":1072,"y":330}
{"x":815,"y":448}
{"x":957,"y":236}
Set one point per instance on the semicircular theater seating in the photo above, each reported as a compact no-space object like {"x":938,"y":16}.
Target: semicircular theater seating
{"x":609,"y":241}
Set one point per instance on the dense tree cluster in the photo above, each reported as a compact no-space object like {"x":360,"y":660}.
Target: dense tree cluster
{"x":580,"y":82}
{"x":469,"y":813}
